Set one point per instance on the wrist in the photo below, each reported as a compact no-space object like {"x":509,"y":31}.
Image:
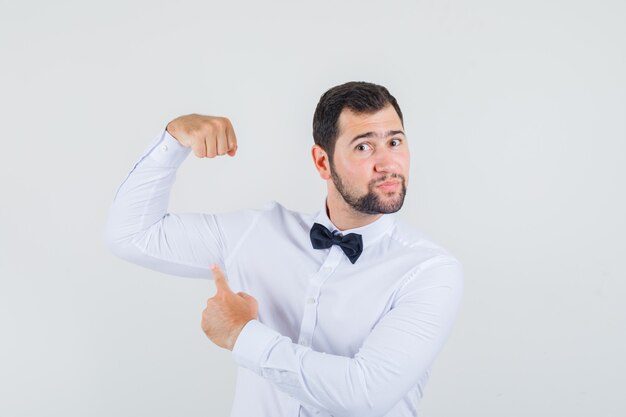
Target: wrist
{"x":234,"y":335}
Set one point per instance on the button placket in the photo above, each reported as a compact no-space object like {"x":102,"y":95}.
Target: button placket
{"x":309,"y":318}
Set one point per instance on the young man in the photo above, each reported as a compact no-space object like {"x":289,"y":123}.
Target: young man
{"x":340,"y":313}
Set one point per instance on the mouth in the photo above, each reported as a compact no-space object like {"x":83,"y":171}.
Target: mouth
{"x":389,"y":185}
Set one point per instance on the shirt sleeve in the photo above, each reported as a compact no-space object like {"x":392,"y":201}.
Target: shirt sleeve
{"x":400,"y":348}
{"x":140,"y":230}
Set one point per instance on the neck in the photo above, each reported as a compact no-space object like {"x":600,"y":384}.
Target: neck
{"x":345,"y":217}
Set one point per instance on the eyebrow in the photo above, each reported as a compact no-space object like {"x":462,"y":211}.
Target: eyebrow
{"x":373,"y":134}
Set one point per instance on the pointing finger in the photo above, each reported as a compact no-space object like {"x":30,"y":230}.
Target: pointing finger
{"x":220,"y":279}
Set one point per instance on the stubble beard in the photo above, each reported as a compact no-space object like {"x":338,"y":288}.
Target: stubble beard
{"x":370,"y":203}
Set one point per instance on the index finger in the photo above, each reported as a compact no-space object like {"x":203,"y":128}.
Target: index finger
{"x":220,"y":279}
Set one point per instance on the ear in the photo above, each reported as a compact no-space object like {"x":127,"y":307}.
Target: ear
{"x":321,"y":162}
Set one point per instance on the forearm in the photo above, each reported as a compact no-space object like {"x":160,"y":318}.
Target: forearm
{"x":138,"y":217}
{"x":394,"y":357}
{"x":142,"y":198}
{"x":279,"y":360}
{"x":339,"y":385}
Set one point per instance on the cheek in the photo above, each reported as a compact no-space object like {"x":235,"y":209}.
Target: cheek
{"x":406,"y":162}
{"x":360,"y":171}
{"x":356,"y":175}
{"x":352,"y":168}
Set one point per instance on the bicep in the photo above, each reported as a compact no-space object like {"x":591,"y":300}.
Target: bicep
{"x":186,"y":244}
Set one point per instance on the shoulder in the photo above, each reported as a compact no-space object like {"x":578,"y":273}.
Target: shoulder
{"x":273,"y":214}
{"x":412,"y":240}
{"x":426,"y":256}
{"x":276,"y":209}
{"x":267,"y":208}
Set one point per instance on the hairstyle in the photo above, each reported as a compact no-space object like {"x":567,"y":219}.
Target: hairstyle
{"x":358,"y":96}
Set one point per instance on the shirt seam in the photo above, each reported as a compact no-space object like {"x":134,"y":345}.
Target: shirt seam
{"x":439,"y":260}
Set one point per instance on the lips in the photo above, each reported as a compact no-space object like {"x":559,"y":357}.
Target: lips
{"x":389,"y":185}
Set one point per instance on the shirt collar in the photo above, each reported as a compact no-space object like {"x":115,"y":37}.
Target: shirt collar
{"x":370,"y":232}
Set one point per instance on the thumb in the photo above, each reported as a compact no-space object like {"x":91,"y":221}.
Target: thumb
{"x":245,"y":295}
{"x":252,"y":303}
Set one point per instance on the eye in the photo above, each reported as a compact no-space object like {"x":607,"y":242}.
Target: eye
{"x":361,"y":147}
{"x":399,"y":141}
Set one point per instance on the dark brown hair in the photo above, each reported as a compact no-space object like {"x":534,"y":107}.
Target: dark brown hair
{"x":358,"y":96}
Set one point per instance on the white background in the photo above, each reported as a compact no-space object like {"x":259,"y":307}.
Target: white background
{"x":516,"y":117}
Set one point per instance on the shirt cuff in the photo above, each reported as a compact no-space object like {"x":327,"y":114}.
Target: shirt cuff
{"x":168,"y":151}
{"x":253,"y":344}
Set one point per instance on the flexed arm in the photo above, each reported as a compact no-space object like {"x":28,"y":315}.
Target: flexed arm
{"x":139,"y":227}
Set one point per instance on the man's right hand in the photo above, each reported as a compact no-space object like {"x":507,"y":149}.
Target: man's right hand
{"x":207,"y":136}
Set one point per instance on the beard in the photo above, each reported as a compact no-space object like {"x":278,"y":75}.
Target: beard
{"x":370,"y":202}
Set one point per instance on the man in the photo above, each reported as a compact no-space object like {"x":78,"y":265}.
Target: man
{"x":340,"y":313}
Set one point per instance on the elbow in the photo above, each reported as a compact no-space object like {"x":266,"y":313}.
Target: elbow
{"x":113,"y":242}
{"x":115,"y":247}
{"x":367,"y":400}
{"x":116,"y":240}
{"x":360,"y":404}
{"x":125,"y":247}
{"x":122,"y":231}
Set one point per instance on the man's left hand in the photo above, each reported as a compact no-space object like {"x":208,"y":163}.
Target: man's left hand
{"x":227,"y":312}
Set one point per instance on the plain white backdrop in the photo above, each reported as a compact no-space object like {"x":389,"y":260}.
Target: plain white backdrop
{"x":516,"y":117}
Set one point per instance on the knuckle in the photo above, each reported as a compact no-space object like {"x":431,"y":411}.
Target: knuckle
{"x":192,"y":129}
{"x":207,"y":129}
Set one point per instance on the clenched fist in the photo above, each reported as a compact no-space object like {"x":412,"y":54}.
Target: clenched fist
{"x":207,"y":136}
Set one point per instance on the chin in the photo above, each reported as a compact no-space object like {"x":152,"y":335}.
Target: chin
{"x":391,"y":204}
{"x":390,"y":195}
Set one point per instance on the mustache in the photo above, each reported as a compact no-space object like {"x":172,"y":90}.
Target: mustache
{"x":377,"y":181}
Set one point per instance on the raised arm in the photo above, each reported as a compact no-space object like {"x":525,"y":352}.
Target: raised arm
{"x":139,"y":228}
{"x":394,"y":357}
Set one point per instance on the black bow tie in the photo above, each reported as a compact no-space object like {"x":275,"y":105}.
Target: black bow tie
{"x":351,"y":244}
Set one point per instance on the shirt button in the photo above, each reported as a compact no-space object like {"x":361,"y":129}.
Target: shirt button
{"x":326,"y":269}
{"x":164,"y":147}
{"x":310,"y":300}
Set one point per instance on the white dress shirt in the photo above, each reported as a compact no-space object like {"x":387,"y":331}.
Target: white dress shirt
{"x":332,"y":338}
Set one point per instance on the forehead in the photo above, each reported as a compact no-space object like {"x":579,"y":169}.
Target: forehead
{"x":352,"y":124}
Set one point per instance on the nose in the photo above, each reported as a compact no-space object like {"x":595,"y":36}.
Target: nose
{"x":386,"y":161}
